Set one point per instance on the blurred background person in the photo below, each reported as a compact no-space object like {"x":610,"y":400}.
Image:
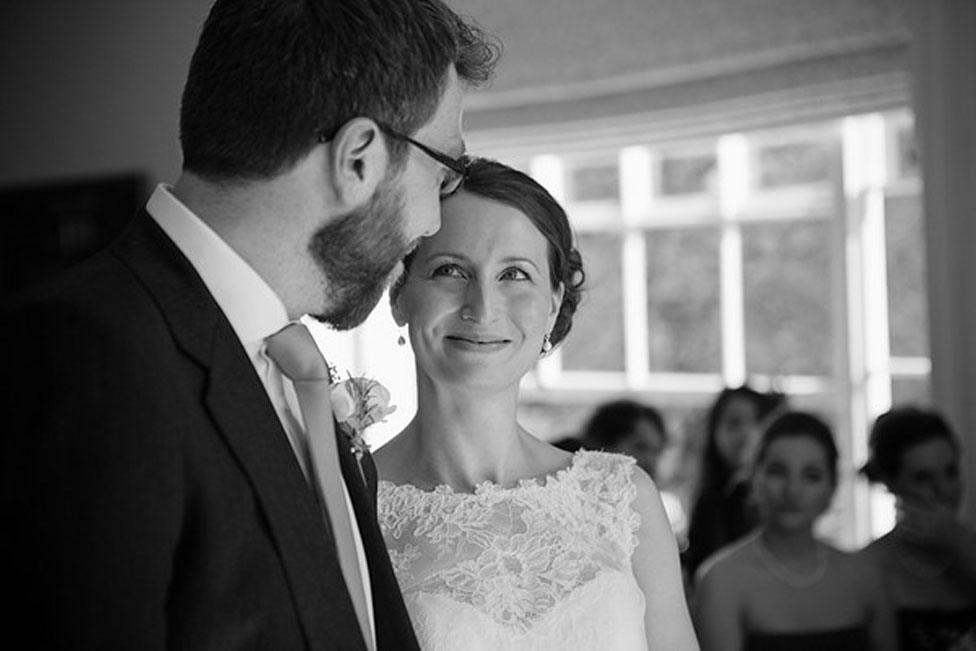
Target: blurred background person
{"x":720,"y":513}
{"x":929,"y":558}
{"x":782,"y":587}
{"x":628,"y":427}
{"x":636,"y":429}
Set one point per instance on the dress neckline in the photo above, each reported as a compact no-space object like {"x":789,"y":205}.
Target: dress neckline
{"x":489,"y":487}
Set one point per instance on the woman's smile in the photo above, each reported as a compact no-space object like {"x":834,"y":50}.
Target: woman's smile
{"x":477,"y":343}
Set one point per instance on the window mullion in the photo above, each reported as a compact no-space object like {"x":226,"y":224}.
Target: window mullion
{"x":636,"y":195}
{"x":734,"y":181}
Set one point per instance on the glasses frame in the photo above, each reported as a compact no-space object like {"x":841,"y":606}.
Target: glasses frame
{"x":459,"y":165}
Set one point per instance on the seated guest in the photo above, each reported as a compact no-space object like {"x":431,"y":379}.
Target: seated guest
{"x":628,"y":427}
{"x":929,"y":558}
{"x":636,"y":429}
{"x":720,"y":513}
{"x":781,"y":587}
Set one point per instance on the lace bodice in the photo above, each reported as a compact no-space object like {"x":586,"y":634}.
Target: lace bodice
{"x":544,"y":564}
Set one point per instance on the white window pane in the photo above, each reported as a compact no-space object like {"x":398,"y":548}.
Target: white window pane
{"x":907,"y":320}
{"x":684,"y":329}
{"x":786,"y":284}
{"x":596,"y":342}
{"x":794,"y":163}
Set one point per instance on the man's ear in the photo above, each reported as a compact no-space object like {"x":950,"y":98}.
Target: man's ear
{"x":358,"y":161}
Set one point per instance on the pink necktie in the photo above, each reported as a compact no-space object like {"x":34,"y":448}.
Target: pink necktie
{"x":294,"y":351}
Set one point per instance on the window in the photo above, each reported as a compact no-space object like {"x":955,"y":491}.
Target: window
{"x":787,"y":257}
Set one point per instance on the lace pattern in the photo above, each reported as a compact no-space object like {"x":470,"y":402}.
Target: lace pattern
{"x":514,"y":553}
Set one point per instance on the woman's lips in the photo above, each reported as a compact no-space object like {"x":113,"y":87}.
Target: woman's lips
{"x":477,"y":343}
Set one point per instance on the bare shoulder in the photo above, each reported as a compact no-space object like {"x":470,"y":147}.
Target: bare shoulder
{"x":731,"y":566}
{"x":647,"y":493}
{"x":647,"y":501}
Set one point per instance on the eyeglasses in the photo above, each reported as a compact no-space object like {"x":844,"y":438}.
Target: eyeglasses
{"x":457,"y":168}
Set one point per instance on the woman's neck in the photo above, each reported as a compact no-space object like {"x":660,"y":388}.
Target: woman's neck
{"x":796,"y":558}
{"x":800,"y":544}
{"x":462,"y":438}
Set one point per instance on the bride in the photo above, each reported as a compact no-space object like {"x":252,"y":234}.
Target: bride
{"x":500,"y":540}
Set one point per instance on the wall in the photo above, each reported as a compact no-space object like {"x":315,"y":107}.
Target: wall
{"x":93,"y":87}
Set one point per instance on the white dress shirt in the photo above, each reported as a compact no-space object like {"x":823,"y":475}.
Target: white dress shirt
{"x":255,"y":312}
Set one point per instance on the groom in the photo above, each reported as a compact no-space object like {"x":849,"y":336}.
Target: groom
{"x":156,"y":491}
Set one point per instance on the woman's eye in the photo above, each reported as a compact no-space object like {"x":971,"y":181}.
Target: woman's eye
{"x":514,"y":273}
{"x":447,"y":271}
{"x":813,"y":476}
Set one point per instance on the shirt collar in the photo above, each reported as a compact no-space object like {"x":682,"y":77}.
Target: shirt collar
{"x":251,"y":306}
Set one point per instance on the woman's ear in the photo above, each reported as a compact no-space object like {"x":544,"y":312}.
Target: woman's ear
{"x":358,"y":161}
{"x":396,"y":307}
{"x":555,"y":303}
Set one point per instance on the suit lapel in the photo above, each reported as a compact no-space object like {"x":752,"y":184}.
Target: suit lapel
{"x":247,"y":421}
{"x":393,"y":627}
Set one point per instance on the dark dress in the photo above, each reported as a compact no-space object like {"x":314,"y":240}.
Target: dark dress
{"x":931,"y":629}
{"x":721,"y":515}
{"x":847,"y":639}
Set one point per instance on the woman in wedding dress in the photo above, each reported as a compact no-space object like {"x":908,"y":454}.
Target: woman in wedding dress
{"x":500,"y":540}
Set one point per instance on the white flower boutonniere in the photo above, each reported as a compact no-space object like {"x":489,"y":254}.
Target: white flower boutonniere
{"x":357,"y":403}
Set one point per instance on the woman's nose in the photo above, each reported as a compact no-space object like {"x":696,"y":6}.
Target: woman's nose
{"x":794,"y":487}
{"x":478,"y":303}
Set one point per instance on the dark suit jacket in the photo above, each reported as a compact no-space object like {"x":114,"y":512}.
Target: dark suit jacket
{"x":150,"y":495}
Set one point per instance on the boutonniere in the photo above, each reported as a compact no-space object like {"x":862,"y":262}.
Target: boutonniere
{"x":357,"y":403}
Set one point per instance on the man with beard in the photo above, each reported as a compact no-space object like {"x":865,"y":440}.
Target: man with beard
{"x":157,"y":481}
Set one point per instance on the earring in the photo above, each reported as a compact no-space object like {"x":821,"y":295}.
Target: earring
{"x":401,"y":340}
{"x":546,"y":344}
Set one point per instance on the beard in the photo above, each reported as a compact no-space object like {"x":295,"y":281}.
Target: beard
{"x":357,"y":253}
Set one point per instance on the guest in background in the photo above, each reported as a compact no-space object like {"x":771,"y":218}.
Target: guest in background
{"x":636,"y":429}
{"x":720,"y":513}
{"x":628,"y":427}
{"x":929,"y":558}
{"x":781,"y":587}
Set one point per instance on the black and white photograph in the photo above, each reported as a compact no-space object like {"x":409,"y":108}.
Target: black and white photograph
{"x":488,"y":325}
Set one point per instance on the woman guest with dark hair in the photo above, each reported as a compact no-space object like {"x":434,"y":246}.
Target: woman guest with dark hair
{"x":781,"y":587}
{"x":628,"y":427}
{"x":498,"y":539}
{"x":720,"y":513}
{"x":929,"y":558}
{"x":636,"y":429}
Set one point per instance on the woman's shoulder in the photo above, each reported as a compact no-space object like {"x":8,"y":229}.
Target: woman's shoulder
{"x":736,"y":559}
{"x":617,"y":473}
{"x":600,"y":461}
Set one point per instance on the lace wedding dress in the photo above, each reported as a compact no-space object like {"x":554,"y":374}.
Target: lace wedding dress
{"x":543,"y":565}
